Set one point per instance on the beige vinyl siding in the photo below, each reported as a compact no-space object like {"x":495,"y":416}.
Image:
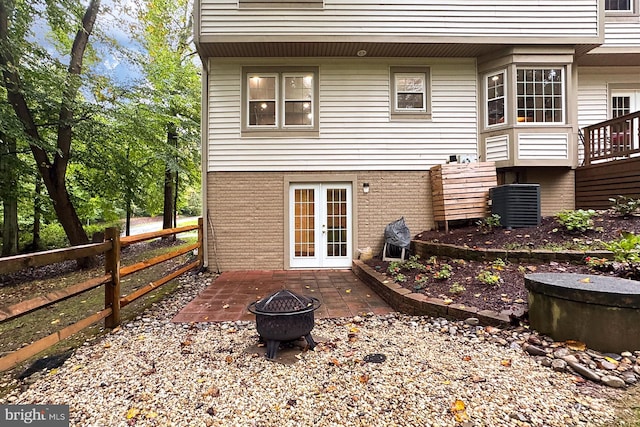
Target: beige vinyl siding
{"x":621,"y":34}
{"x":520,"y":19}
{"x":355,"y":129}
{"x":594,"y":85}
{"x":543,"y":146}
{"x":497,"y":148}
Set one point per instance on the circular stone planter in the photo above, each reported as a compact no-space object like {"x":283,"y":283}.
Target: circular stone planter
{"x":600,"y":311}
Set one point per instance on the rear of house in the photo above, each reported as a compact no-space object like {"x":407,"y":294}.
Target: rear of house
{"x":322,"y":120}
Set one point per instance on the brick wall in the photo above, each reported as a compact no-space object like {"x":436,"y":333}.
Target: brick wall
{"x":247,"y":212}
{"x":557,"y":188}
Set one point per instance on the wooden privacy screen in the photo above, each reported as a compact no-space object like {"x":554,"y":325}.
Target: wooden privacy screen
{"x":461,"y":190}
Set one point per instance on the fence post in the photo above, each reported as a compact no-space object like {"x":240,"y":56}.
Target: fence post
{"x":112,"y":289}
{"x":200,"y":242}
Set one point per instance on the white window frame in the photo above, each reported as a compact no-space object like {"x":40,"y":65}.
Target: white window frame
{"x":279,"y":128}
{"x":563,"y":90}
{"x":633,"y":11}
{"x":275,"y":100}
{"x":505,"y":103}
{"x":284,"y":100}
{"x":424,"y":112}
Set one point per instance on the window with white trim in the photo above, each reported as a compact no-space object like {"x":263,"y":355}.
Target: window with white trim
{"x":540,"y":95}
{"x":410,"y":92}
{"x":495,"y":87}
{"x":280,"y":100}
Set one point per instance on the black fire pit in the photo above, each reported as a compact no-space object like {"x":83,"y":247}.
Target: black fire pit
{"x":284,"y":316}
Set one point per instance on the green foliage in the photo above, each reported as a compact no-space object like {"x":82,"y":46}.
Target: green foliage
{"x":400,"y":278}
{"x":576,"y":220}
{"x":487,"y":224}
{"x":52,"y":235}
{"x":456,"y":288}
{"x":489,"y":278}
{"x":498,"y":264}
{"x":444,"y":273}
{"x":624,"y":205}
{"x":626,"y":248}
{"x":420,"y":281}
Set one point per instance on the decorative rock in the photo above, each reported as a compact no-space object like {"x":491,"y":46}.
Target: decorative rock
{"x":626,"y":354}
{"x":570,"y":359}
{"x":584,"y":371}
{"x":534,"y":351}
{"x":614,"y":356}
{"x":636,"y":370}
{"x":546,"y":361}
{"x":612,"y":381}
{"x":606,"y":365}
{"x":559,"y":365}
{"x":473,"y":321}
{"x":561,"y":352}
{"x":629,"y":377}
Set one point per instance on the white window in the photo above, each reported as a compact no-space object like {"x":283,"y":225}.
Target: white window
{"x":540,"y":95}
{"x":280,"y":101}
{"x":495,"y":87}
{"x":410,"y":92}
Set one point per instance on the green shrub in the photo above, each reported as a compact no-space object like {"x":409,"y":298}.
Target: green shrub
{"x":457,"y":288}
{"x":486,"y":224}
{"x":444,"y":272}
{"x":578,"y":220}
{"x":489,"y":278}
{"x":626,"y":248}
{"x":624,"y":205}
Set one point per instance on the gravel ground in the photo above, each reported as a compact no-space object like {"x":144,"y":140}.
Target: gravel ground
{"x":152,"y":372}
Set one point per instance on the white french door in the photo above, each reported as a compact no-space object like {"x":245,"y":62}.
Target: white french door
{"x":320,"y":225}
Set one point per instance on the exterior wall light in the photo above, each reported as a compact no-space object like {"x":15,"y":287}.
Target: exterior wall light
{"x":365,"y":188}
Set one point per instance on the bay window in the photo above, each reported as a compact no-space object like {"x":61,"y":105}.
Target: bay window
{"x":540,"y":95}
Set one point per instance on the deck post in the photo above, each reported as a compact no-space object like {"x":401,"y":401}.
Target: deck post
{"x":112,"y":267}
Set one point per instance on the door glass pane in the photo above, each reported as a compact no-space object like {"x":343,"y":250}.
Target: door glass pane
{"x":304,"y":225}
{"x":336,"y":222}
{"x":620,"y":105}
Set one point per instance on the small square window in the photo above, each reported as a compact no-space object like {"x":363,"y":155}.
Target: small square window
{"x":410,"y":93}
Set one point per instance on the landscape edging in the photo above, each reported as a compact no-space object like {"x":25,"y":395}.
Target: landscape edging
{"x":427,"y":249}
{"x":418,"y":304}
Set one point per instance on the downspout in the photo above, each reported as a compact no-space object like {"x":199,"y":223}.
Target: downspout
{"x":204,"y":160}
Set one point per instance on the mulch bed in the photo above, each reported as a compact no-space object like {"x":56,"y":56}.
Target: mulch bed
{"x":509,"y":295}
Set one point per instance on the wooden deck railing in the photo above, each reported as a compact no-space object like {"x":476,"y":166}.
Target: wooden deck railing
{"x":111,"y":248}
{"x":613,"y":139}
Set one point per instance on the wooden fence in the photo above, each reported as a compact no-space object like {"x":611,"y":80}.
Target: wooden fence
{"x":111,"y":248}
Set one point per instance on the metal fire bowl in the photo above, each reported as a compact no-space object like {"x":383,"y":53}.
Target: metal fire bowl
{"x":285,"y":326}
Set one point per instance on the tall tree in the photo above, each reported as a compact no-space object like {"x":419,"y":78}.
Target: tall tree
{"x":52,"y":158}
{"x":166,"y":34}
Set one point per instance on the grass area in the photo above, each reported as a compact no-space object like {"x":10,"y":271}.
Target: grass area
{"x":23,"y":330}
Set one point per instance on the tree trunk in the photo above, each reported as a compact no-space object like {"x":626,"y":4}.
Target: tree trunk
{"x":37,"y":214}
{"x":9,"y":195}
{"x":169,"y":184}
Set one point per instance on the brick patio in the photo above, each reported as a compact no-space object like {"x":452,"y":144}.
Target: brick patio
{"x":341,"y":293}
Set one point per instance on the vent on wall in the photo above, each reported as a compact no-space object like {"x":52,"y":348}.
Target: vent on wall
{"x":517,"y":204}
